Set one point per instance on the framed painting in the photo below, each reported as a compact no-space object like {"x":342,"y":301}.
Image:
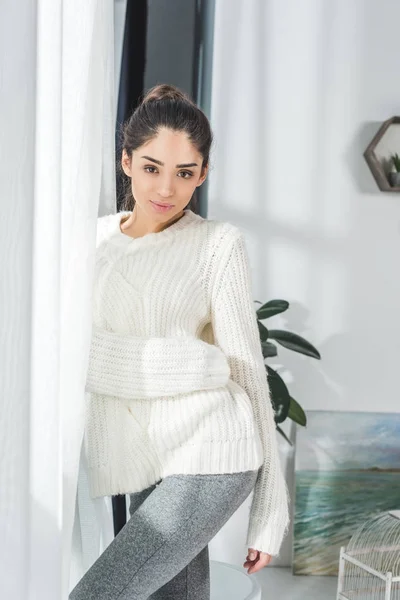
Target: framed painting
{"x":347,"y":468}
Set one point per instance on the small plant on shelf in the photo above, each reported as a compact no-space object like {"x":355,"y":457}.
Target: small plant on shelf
{"x":283,"y":403}
{"x":394,"y":176}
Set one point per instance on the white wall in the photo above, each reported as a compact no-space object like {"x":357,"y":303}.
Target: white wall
{"x":299,"y":89}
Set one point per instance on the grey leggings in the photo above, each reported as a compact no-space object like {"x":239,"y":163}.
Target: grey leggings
{"x":162,"y":551}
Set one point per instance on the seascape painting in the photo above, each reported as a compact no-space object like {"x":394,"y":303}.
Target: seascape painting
{"x":347,"y":470}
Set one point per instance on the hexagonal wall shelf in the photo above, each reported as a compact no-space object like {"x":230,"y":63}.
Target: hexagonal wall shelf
{"x":377,"y":155}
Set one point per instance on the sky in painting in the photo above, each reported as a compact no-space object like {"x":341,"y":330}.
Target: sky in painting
{"x":336,"y":440}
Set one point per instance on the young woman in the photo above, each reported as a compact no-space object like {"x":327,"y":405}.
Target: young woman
{"x":179,"y":415}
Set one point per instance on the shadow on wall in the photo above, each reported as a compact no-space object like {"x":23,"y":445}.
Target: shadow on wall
{"x":319,"y":230}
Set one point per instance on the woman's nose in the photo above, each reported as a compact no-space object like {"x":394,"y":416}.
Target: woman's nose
{"x":166,"y":187}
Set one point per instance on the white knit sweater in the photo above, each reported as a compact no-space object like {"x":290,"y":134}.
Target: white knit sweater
{"x":176,"y":377}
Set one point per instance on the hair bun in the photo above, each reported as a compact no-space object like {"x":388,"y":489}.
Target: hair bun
{"x":165,"y":91}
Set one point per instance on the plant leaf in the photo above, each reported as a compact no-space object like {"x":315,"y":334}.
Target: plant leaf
{"x":280,"y":397}
{"x":264,"y":333}
{"x":271,"y":308}
{"x":284,"y":435}
{"x":294,"y":342}
{"x":269,"y":350}
{"x":296,"y":413}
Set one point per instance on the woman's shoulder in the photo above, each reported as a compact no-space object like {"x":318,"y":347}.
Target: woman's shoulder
{"x":222,"y":232}
{"x":105,"y":226}
{"x":221,"y":238}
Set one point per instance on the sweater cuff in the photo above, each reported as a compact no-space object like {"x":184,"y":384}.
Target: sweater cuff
{"x":267,"y":536}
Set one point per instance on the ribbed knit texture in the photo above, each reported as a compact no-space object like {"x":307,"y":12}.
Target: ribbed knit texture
{"x":176,"y":377}
{"x":135,"y":367}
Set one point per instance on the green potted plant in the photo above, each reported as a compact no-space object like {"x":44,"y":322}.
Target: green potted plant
{"x":284,"y":404}
{"x":394,"y":176}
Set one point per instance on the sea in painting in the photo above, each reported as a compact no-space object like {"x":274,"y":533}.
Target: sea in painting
{"x":347,"y":470}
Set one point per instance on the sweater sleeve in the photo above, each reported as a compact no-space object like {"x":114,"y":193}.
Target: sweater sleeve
{"x":235,"y":328}
{"x":127,"y":366}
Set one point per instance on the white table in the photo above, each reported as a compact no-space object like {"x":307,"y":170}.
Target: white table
{"x":229,"y":581}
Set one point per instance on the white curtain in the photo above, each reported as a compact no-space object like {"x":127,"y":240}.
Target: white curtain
{"x":57,"y":111}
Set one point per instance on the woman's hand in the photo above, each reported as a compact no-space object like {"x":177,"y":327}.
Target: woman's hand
{"x":256,"y":560}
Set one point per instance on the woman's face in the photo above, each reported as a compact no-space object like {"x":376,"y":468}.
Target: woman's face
{"x":165,"y":170}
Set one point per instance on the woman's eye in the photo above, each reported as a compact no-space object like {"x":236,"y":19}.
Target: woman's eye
{"x":187,"y":174}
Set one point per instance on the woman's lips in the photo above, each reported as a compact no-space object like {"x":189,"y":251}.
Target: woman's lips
{"x":161,"y":207}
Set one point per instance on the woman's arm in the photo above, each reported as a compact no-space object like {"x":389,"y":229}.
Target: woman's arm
{"x":236,"y":332}
{"x":138,"y":367}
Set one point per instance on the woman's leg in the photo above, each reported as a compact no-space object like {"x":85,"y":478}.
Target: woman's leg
{"x":168,"y":530}
{"x":192,"y":582}
{"x":195,"y":575}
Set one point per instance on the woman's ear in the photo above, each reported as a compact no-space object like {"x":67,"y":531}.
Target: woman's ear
{"x":203,"y":176}
{"x":126,"y":163}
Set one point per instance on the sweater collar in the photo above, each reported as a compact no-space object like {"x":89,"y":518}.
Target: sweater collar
{"x":120,"y":238}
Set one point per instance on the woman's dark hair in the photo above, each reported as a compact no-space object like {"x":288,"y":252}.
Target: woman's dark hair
{"x":164,"y":106}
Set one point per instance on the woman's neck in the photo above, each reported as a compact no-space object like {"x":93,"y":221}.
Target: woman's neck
{"x":134,"y":226}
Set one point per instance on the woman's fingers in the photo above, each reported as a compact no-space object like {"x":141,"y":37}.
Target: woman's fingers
{"x":261,"y":560}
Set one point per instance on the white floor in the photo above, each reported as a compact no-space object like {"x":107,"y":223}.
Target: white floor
{"x":278,"y":582}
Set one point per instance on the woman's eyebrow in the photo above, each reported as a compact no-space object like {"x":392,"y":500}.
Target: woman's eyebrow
{"x":177,"y":166}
